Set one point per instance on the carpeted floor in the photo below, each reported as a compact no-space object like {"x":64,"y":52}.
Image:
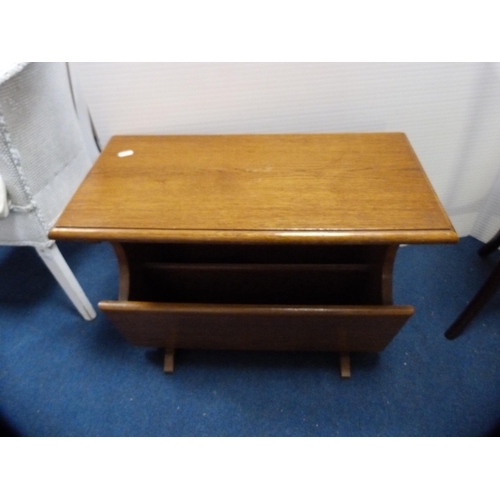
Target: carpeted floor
{"x":63,"y":376}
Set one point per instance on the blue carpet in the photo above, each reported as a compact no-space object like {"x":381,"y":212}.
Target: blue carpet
{"x":63,"y":376}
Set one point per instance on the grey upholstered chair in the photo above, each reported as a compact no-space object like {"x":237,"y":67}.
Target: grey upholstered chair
{"x":43,"y":158}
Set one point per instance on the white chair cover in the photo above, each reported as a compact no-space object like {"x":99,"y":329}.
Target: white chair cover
{"x":43,"y":157}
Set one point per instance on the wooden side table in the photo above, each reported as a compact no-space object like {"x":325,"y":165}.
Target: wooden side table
{"x":265,"y":242}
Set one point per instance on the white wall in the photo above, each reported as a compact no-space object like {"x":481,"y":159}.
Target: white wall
{"x":450,"y":112}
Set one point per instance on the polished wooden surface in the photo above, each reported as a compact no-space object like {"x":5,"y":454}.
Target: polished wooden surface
{"x":257,"y":327}
{"x":331,"y":188}
{"x":268,"y":297}
{"x":265,"y":242}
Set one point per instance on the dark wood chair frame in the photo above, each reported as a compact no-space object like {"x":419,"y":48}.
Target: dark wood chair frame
{"x":482,"y":297}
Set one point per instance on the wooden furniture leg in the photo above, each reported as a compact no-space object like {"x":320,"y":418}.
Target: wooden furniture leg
{"x":168,"y":363}
{"x":477,"y":303}
{"x":345,"y":365}
{"x":490,"y":246}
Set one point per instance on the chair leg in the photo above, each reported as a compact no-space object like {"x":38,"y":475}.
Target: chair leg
{"x":54,"y":260}
{"x":477,"y":303}
{"x":490,"y":246}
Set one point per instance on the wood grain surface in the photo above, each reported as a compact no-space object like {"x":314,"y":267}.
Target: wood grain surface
{"x":253,"y":327}
{"x":334,"y":188}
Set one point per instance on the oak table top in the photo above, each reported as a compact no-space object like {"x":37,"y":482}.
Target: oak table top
{"x":331,"y":188}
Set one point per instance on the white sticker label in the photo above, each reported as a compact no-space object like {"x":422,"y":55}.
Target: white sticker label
{"x":129,"y":152}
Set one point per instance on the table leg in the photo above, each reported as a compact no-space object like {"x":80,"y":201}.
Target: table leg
{"x":345,"y":365}
{"x":168,"y":363}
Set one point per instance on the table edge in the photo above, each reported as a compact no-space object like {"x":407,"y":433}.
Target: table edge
{"x":337,"y":237}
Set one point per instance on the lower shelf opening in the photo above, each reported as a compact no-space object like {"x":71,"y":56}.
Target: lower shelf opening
{"x":307,"y":284}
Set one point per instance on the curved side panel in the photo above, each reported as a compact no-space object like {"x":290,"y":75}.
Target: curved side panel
{"x":386,"y":274}
{"x":124,"y":270}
